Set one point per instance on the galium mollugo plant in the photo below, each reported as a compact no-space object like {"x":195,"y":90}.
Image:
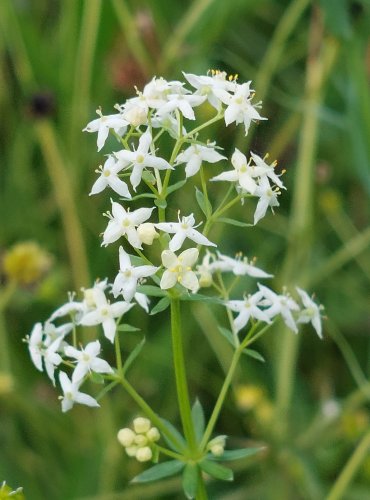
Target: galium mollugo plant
{"x":185,"y":264}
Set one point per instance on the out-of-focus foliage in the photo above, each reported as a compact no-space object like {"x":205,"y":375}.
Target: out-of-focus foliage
{"x":309,"y":402}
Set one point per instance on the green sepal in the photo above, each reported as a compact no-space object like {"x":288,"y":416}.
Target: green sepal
{"x":127,"y":328}
{"x":160,"y":306}
{"x":228,"y":335}
{"x":229,"y":455}
{"x":197,"y":415}
{"x":133,"y":355}
{"x":176,"y":186}
{"x":254,"y":354}
{"x":148,"y":177}
{"x":203,"y":203}
{"x":216,"y":470}
{"x":160,"y":203}
{"x":159,"y":471}
{"x":179,"y":438}
{"x":233,"y":222}
{"x":151,"y":290}
{"x":97,"y":378}
{"x":190,"y":480}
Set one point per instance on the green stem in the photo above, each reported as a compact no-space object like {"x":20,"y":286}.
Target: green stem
{"x":350,"y":469}
{"x":180,"y":375}
{"x":201,"y":492}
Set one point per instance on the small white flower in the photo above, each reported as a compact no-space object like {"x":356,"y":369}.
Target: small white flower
{"x":182,"y":102}
{"x":311,"y":313}
{"x":108,"y":177}
{"x":178,"y":269}
{"x":280,"y":304}
{"x":88,"y":360}
{"x":141,"y":158}
{"x":103,"y":124}
{"x":128,"y":276}
{"x":183,"y":229}
{"x":124,"y":223}
{"x":53,"y":332}
{"x":52,"y":359}
{"x":242,"y":173}
{"x":267,"y":198}
{"x":72,"y":395}
{"x":72,"y":308}
{"x":239,"y":266}
{"x":142,"y":300}
{"x":35,"y":345}
{"x":195,"y":154}
{"x":261,"y":169}
{"x":216,"y":88}
{"x":248,"y":308}
{"x":105,"y":314}
{"x":239,"y":108}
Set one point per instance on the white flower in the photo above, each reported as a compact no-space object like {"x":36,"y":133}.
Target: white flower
{"x":182,"y":102}
{"x":35,"y":345}
{"x":280,"y":304}
{"x":103,"y":124}
{"x":72,"y":308}
{"x":142,"y":300}
{"x":248,"y":308}
{"x":239,"y":266}
{"x":88,"y":360}
{"x":109,"y":177}
{"x":267,"y":198}
{"x":141,"y":158}
{"x":261,"y":169}
{"x":128,"y":276}
{"x":72,"y":395}
{"x":124,"y":222}
{"x":178,"y":269}
{"x":215,"y":87}
{"x":311,"y":313}
{"x":195,"y":154}
{"x":183,"y":229}
{"x":53,"y":332}
{"x":242,"y":173}
{"x":52,"y":358}
{"x":240,"y":109}
{"x":105,"y":314}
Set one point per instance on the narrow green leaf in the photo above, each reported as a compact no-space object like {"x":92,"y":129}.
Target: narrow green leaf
{"x":227,"y":334}
{"x":138,"y":196}
{"x":216,"y":470}
{"x":197,"y":415}
{"x":233,"y":222}
{"x":190,"y":479}
{"x":159,"y":471}
{"x":97,"y":378}
{"x":133,"y":355}
{"x":176,"y":186}
{"x":160,"y":306}
{"x":236,"y":454}
{"x":151,"y":290}
{"x":254,"y":354}
{"x":203,"y":203}
{"x":160,"y":203}
{"x":127,"y":328}
{"x":179,"y":438}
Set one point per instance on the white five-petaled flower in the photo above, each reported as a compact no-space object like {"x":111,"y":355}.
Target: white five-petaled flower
{"x":239,"y":266}
{"x":141,"y":158}
{"x":183,"y":229}
{"x":248,"y":308}
{"x":108,"y":177}
{"x":216,"y":88}
{"x":311,"y":313}
{"x":87,"y":360}
{"x":280,"y":304}
{"x":242,"y":173}
{"x":103,"y":124}
{"x":72,"y":395}
{"x":182,"y":102}
{"x":105,"y":314}
{"x":195,"y":154}
{"x":261,"y":169}
{"x":124,"y":223}
{"x":240,"y":109}
{"x":178,"y":269}
{"x":267,"y":198}
{"x":128,"y":276}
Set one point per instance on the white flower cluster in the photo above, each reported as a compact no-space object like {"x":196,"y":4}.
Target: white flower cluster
{"x":137,"y":172}
{"x":139,"y":443}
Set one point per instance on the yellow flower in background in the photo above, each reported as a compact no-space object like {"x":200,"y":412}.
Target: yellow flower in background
{"x":26,"y":263}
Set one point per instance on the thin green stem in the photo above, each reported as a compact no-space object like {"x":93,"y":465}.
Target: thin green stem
{"x":170,"y":453}
{"x":180,"y":375}
{"x":201,"y":492}
{"x":117,"y":348}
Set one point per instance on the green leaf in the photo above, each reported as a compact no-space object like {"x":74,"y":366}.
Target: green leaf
{"x":228,"y":335}
{"x":151,"y":290}
{"x":254,"y":354}
{"x":160,"y":306}
{"x":133,"y":355}
{"x":216,"y":470}
{"x":236,"y":454}
{"x":176,"y":186}
{"x":190,"y":479}
{"x":160,"y":203}
{"x":233,"y":222}
{"x":127,"y":328}
{"x":197,"y":415}
{"x":203,"y":203}
{"x":179,"y":438}
{"x":159,"y":471}
{"x":97,"y":378}
{"x":337,"y":17}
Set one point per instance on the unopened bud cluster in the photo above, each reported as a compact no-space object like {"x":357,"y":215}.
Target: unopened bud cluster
{"x":217,"y":446}
{"x":139,"y":441}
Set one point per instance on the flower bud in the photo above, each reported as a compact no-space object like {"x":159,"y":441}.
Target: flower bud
{"x":141,"y":440}
{"x":144,"y":454}
{"x":126,"y":437}
{"x":26,"y":263}
{"x":205,"y":280}
{"x":147,"y":233}
{"x":141,"y":425}
{"x":131,"y":451}
{"x":136,"y":116}
{"x":89,"y":298}
{"x":217,"y":446}
{"x":153,"y":434}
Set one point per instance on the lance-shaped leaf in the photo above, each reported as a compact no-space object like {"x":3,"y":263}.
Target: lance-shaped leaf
{"x":190,"y":479}
{"x":216,"y":470}
{"x":159,"y":471}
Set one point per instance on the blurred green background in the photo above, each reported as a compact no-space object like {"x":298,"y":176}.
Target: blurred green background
{"x":309,"y":402}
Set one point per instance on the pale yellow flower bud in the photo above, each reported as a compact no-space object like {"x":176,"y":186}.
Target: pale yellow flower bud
{"x":147,"y":233}
{"x":136,"y":116}
{"x":141,"y":440}
{"x":217,"y":446}
{"x":89,"y":298}
{"x":205,"y":280}
{"x":141,"y":425}
{"x":153,"y":434}
{"x":132,"y":450}
{"x":126,"y":437}
{"x":144,"y":454}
